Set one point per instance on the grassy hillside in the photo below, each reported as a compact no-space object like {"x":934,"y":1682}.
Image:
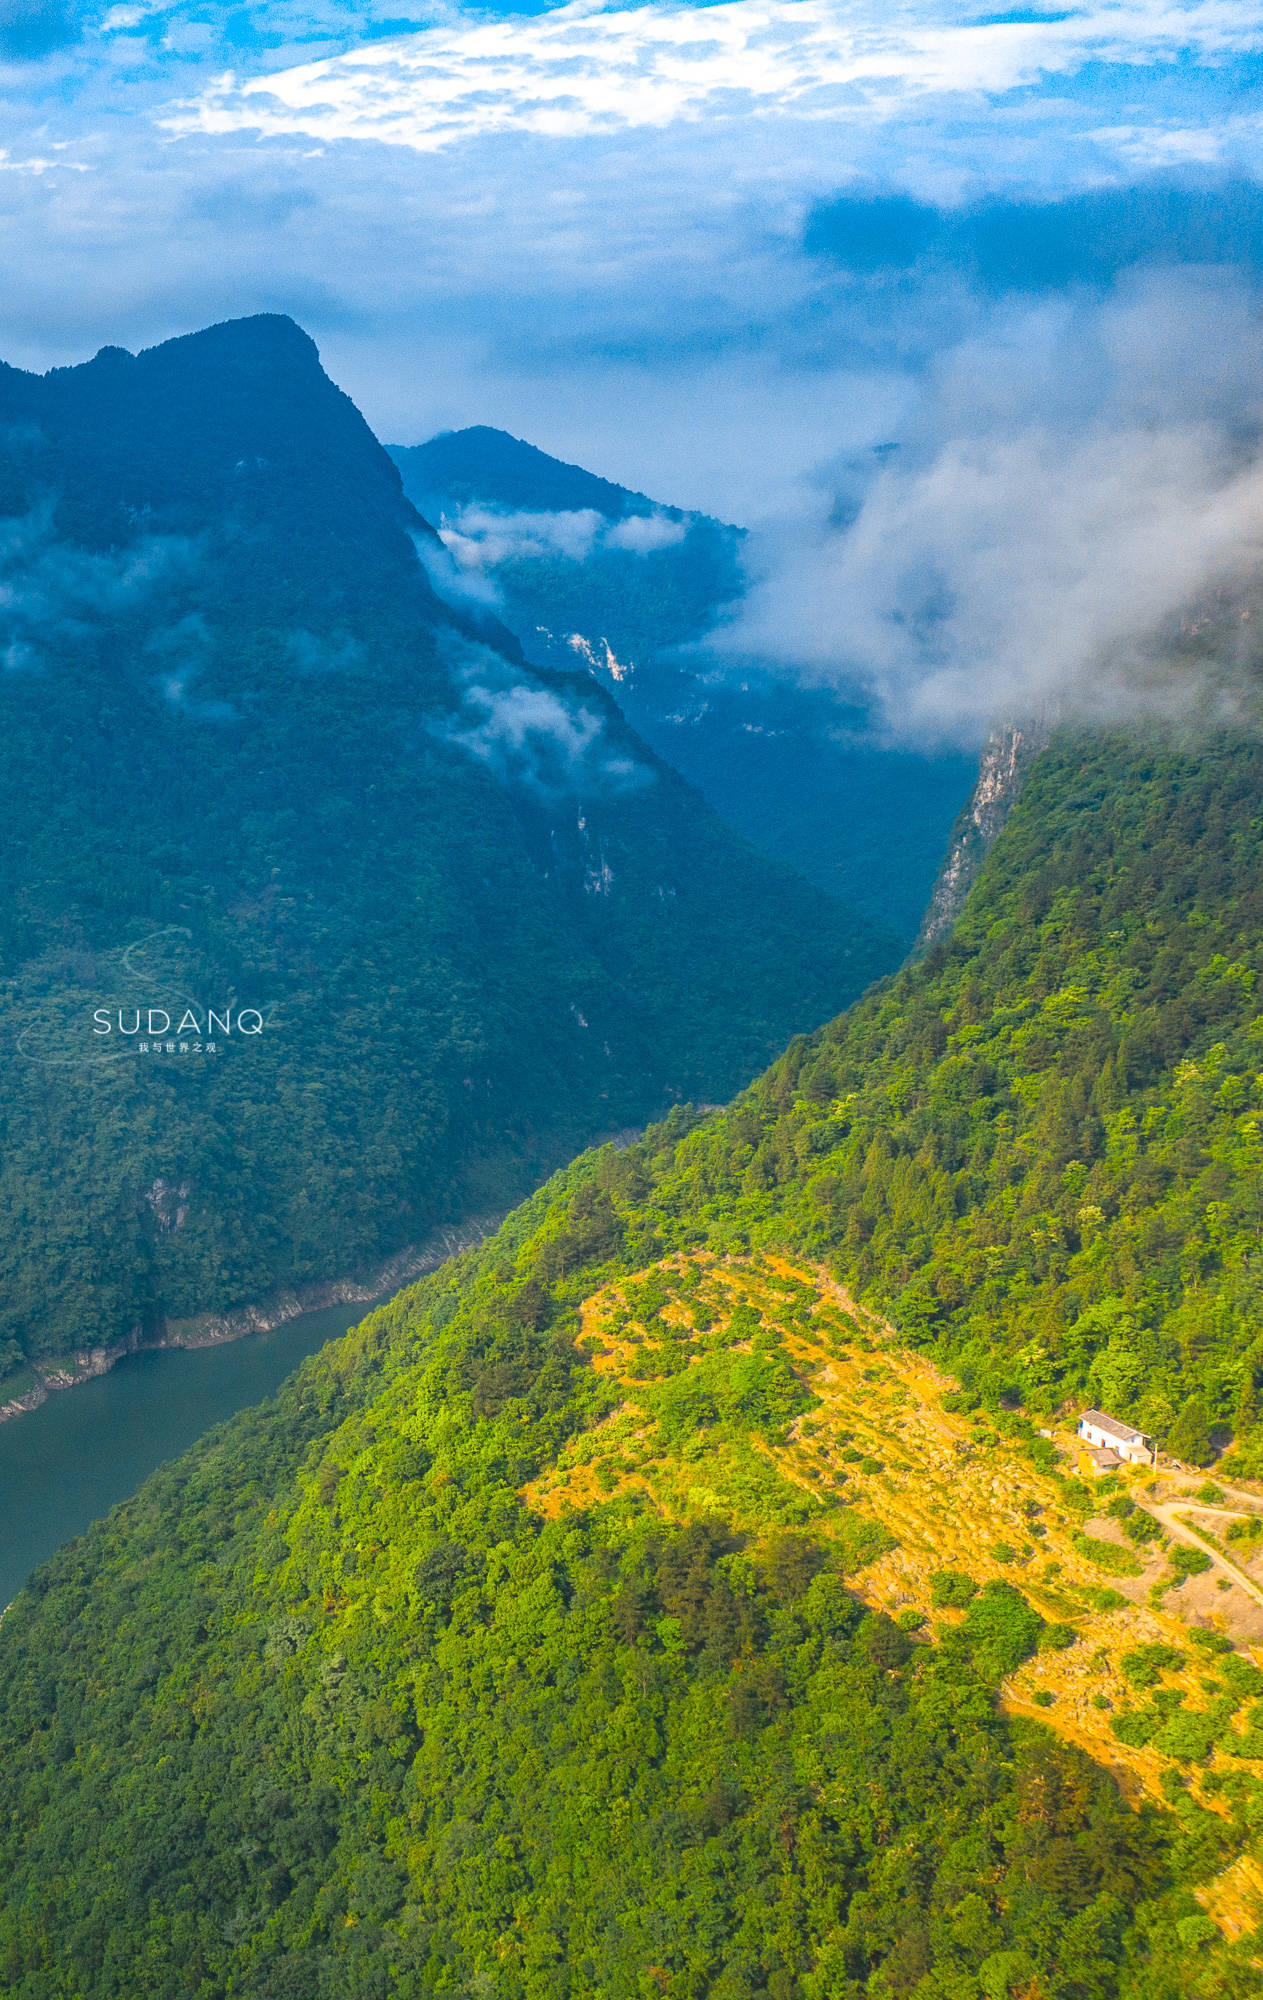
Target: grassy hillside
{"x":637,"y":1606}
{"x":250,"y":761}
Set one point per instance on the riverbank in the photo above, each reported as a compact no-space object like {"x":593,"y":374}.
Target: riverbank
{"x":216,"y":1329}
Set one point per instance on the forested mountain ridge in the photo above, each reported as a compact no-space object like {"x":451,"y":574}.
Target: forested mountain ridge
{"x":520,"y":1647}
{"x":589,"y":573}
{"x":254,"y":765}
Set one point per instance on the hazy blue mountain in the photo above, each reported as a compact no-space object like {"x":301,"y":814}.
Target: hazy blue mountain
{"x":250,"y":760}
{"x":588,"y":572}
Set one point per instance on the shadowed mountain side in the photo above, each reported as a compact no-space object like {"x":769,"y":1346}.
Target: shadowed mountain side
{"x":252,"y":761}
{"x":482,"y":464}
{"x":585,"y":571}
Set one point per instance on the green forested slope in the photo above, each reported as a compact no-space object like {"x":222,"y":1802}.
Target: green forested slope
{"x":334,"y":1707}
{"x":332,"y":1712}
{"x":1040,"y":1149}
{"x":250,"y":760}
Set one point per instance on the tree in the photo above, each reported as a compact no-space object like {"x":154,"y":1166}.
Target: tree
{"x":1189,"y":1436}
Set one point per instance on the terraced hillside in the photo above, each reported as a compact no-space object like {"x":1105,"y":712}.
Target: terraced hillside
{"x":927,"y":1506}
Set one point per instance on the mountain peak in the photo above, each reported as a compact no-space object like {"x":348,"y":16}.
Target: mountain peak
{"x":236,"y":422}
{"x":493,"y":468}
{"x":257,"y":340}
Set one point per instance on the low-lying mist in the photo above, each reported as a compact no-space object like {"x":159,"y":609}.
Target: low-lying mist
{"x":1067,"y":519}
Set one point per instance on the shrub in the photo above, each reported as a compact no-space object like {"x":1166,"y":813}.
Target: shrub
{"x":1249,"y":1743}
{"x":440,"y":1574}
{"x":1189,"y":1562}
{"x":1189,"y":1436}
{"x":1188,"y":1735}
{"x":1245,"y":1531}
{"x":1144,"y":1666}
{"x":1142,"y":1527}
{"x":1055,"y":1638}
{"x":1242,"y":1676}
{"x":951,"y":1587}
{"x":1002,"y":1628}
{"x":1106,"y":1555}
{"x":1210,"y":1642}
{"x":1136,"y":1727}
{"x":790,"y":1564}
{"x":885,"y":1645}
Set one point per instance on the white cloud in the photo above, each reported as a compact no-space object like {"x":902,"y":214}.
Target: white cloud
{"x":52,"y":590}
{"x":641,"y":534}
{"x":1072,"y":521}
{"x":579,"y":70}
{"x":533,"y":736}
{"x":480,"y":538}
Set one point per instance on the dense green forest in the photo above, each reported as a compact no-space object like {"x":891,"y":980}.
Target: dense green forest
{"x":337,"y":1706}
{"x":801,"y":771}
{"x":1040,"y":1148}
{"x":251,"y":761}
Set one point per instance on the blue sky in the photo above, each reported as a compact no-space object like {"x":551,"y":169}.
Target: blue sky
{"x":721,"y":252}
{"x":580,"y":222}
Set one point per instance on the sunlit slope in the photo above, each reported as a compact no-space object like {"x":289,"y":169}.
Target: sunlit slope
{"x":677,"y":1594}
{"x":343,"y":1704}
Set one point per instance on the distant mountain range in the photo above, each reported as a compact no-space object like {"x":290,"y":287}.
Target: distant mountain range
{"x":324,"y":917}
{"x":589,"y":573}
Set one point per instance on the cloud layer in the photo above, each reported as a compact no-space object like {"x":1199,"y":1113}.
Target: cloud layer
{"x":480,"y":538}
{"x":547,"y":741}
{"x":1070,"y":521}
{"x":898,"y":281}
{"x":578,"y":69}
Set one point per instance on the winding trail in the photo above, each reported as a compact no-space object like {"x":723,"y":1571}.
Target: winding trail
{"x":1165,"y":1511}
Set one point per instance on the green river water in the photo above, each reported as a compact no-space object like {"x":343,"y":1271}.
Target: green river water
{"x":67,"y":1463}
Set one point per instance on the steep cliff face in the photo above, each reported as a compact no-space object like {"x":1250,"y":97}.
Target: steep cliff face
{"x":1006,"y":755}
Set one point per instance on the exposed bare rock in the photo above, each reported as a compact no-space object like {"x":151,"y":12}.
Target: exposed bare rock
{"x":1006,"y":756}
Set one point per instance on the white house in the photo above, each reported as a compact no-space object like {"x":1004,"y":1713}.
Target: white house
{"x":1104,"y":1433}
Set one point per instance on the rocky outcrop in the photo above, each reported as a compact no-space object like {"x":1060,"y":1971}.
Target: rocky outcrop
{"x":84,"y":1366}
{"x":1006,"y":755}
{"x":18,"y":1405}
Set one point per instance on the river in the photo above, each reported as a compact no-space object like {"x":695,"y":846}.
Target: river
{"x":67,"y":1463}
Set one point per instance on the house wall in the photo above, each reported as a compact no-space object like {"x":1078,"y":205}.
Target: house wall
{"x":1134,"y":1454}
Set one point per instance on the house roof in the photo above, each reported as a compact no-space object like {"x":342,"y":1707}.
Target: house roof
{"x":1112,"y":1427}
